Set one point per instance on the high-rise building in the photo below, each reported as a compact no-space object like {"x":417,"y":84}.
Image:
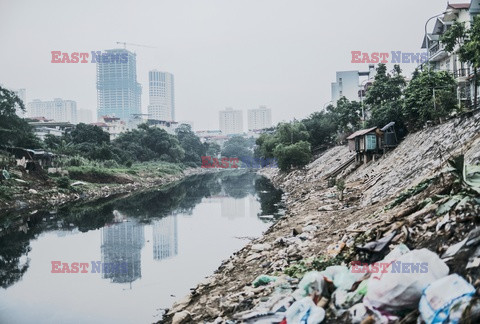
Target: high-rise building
{"x":161,"y":96}
{"x":231,"y":121}
{"x":58,"y":110}
{"x":260,"y":118}
{"x":118,"y":92}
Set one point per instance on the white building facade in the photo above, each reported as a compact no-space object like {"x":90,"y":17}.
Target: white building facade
{"x":347,"y":84}
{"x":58,"y":110}
{"x":231,"y":121}
{"x":441,"y":60}
{"x":161,"y":96}
{"x":260,"y":118}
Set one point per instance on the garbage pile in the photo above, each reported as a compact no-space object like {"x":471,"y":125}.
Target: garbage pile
{"x":404,"y":284}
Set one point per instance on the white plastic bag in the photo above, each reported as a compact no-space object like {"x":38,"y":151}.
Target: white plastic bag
{"x":401,"y":287}
{"x":304,"y":311}
{"x":444,"y":300}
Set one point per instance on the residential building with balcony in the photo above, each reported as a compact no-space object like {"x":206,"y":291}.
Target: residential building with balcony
{"x":441,"y":60}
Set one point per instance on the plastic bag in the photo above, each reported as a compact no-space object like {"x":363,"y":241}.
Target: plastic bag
{"x":341,"y":276}
{"x":304,"y":311}
{"x":444,"y":300}
{"x":401,"y":287}
{"x":263,"y":280}
{"x":312,"y":283}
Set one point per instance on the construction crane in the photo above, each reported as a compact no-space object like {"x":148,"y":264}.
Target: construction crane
{"x":125,"y":45}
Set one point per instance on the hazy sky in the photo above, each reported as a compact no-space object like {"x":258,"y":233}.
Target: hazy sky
{"x":238,"y":53}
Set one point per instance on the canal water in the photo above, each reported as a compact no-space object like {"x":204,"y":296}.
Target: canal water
{"x":153,"y":246}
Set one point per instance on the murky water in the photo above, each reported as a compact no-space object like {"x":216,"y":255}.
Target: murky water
{"x":154,"y":247}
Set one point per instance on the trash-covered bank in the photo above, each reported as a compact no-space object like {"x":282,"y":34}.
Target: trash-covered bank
{"x":403,"y":244}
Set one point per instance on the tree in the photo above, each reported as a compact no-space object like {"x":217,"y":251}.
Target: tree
{"x":465,"y":42}
{"x":238,"y":146}
{"x":191,"y":144}
{"x":84,"y":133}
{"x":293,"y":155}
{"x":212,"y":149}
{"x":14,"y":131}
{"x":420,"y":105}
{"x":386,"y":87}
{"x":322,"y":128}
{"x":290,"y":133}
{"x":384,"y":99}
{"x":347,"y":115}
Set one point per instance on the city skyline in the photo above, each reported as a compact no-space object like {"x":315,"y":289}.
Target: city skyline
{"x":287,"y":63}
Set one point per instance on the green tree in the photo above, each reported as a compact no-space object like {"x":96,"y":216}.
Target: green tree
{"x":212,"y":149}
{"x":293,"y":155}
{"x":84,"y":133}
{"x":384,"y":99}
{"x":191,"y":144}
{"x":347,"y":115}
{"x":420,"y":105}
{"x":322,"y":129}
{"x":238,"y":146}
{"x":15,"y":131}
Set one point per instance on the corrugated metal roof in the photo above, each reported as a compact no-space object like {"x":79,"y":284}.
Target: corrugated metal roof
{"x":390,"y":124}
{"x":361,"y":132}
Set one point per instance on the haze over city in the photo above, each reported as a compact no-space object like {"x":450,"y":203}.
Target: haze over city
{"x":240,"y":54}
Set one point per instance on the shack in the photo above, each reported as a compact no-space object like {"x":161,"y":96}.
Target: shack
{"x":32,"y":160}
{"x":390,"y":139}
{"x":367,"y":143}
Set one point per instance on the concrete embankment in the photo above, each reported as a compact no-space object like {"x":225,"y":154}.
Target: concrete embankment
{"x":398,"y":196}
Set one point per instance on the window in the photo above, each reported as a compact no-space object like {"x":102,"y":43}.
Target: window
{"x":371,"y":142}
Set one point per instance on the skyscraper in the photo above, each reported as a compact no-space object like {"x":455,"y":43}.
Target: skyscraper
{"x":118,"y":92}
{"x":260,"y":118}
{"x":162,"y":96}
{"x":231,"y":121}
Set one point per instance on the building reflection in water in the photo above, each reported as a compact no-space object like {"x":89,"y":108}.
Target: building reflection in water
{"x":123,"y":241}
{"x":165,"y":237}
{"x":233,"y":208}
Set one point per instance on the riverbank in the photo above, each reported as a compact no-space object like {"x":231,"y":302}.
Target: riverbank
{"x":400,"y":197}
{"x":25,"y":192}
